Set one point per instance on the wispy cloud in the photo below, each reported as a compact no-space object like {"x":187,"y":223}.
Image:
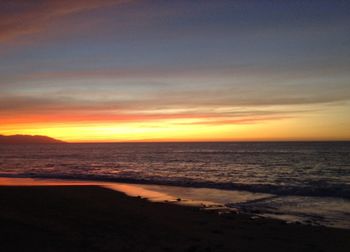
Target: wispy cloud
{"x":22,"y":109}
{"x":22,"y":17}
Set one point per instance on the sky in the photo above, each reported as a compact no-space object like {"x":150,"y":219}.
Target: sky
{"x":195,"y":70}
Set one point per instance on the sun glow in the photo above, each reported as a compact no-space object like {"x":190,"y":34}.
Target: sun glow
{"x":314,"y":128}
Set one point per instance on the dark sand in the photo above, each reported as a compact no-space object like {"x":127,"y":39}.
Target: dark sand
{"x":91,"y":218}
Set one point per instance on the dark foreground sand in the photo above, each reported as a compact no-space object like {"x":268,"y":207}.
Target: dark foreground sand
{"x":91,"y":218}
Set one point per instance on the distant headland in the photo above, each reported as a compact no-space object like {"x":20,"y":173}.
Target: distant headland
{"x":28,"y":139}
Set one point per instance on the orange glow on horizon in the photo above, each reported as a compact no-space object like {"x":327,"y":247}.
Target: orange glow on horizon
{"x":288,"y":129}
{"x":326,"y":124}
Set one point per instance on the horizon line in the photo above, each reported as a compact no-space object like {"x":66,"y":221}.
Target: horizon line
{"x":205,"y":141}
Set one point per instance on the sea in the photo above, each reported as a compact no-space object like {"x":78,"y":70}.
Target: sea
{"x":304,"y":182}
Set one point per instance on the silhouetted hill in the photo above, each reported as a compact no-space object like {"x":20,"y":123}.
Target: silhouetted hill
{"x":27,"y":139}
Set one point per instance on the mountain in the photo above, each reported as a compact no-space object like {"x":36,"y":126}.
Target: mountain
{"x":27,"y":139}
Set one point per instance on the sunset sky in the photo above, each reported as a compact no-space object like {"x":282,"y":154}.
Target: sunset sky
{"x":139,"y":70}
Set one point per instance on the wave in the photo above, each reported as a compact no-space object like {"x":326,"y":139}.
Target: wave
{"x":314,"y":190}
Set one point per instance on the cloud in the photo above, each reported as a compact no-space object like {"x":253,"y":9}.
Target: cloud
{"x":30,"y":109}
{"x":130,"y":96}
{"x":69,"y":117}
{"x":22,"y":17}
{"x":240,"y":120}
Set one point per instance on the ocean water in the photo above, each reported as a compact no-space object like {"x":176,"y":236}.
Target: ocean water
{"x":305,"y":181}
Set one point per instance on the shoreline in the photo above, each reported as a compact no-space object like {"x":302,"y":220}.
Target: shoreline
{"x":217,"y":200}
{"x":145,"y":191}
{"x":251,"y":188}
{"x":94,"y":218}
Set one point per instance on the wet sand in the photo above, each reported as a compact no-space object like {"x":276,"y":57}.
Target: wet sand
{"x":93,"y":218}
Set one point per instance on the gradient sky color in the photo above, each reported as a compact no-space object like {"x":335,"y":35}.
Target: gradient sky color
{"x":139,"y":70}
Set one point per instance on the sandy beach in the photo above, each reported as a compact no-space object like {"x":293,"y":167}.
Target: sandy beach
{"x":93,"y":218}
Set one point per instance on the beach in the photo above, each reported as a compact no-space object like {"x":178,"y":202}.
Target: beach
{"x":94,"y":218}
